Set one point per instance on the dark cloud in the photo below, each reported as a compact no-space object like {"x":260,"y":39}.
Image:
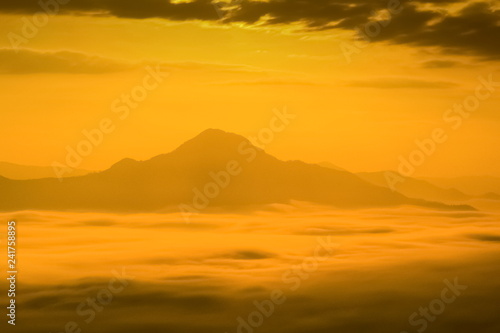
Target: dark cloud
{"x":486,"y":237}
{"x":473,"y":30}
{"x":316,"y":14}
{"x":194,"y":10}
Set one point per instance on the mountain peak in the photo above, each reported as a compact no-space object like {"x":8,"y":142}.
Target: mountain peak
{"x":213,"y":140}
{"x":214,"y":133}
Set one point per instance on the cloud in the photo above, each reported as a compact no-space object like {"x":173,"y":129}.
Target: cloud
{"x":28,"y":61}
{"x":352,"y":298}
{"x":344,"y":231}
{"x":374,"y":284}
{"x":99,"y":223}
{"x":248,"y":255}
{"x":472,"y":30}
{"x":401,"y":83}
{"x":226,"y":68}
{"x":441,"y":64}
{"x":270,"y":82}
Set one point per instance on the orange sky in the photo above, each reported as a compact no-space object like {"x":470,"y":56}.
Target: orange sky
{"x":360,"y":115}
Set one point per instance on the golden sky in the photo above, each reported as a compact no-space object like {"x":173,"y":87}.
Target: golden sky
{"x":360,"y":113}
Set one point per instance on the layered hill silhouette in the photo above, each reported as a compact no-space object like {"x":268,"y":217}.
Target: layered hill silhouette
{"x":223,"y":168}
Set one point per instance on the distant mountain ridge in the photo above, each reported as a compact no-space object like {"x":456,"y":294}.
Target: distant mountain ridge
{"x":435,"y":189}
{"x":23,"y":172}
{"x":415,"y":188}
{"x":474,"y":185}
{"x":177,"y":178}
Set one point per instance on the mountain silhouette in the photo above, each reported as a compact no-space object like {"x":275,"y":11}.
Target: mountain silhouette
{"x":214,"y":169}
